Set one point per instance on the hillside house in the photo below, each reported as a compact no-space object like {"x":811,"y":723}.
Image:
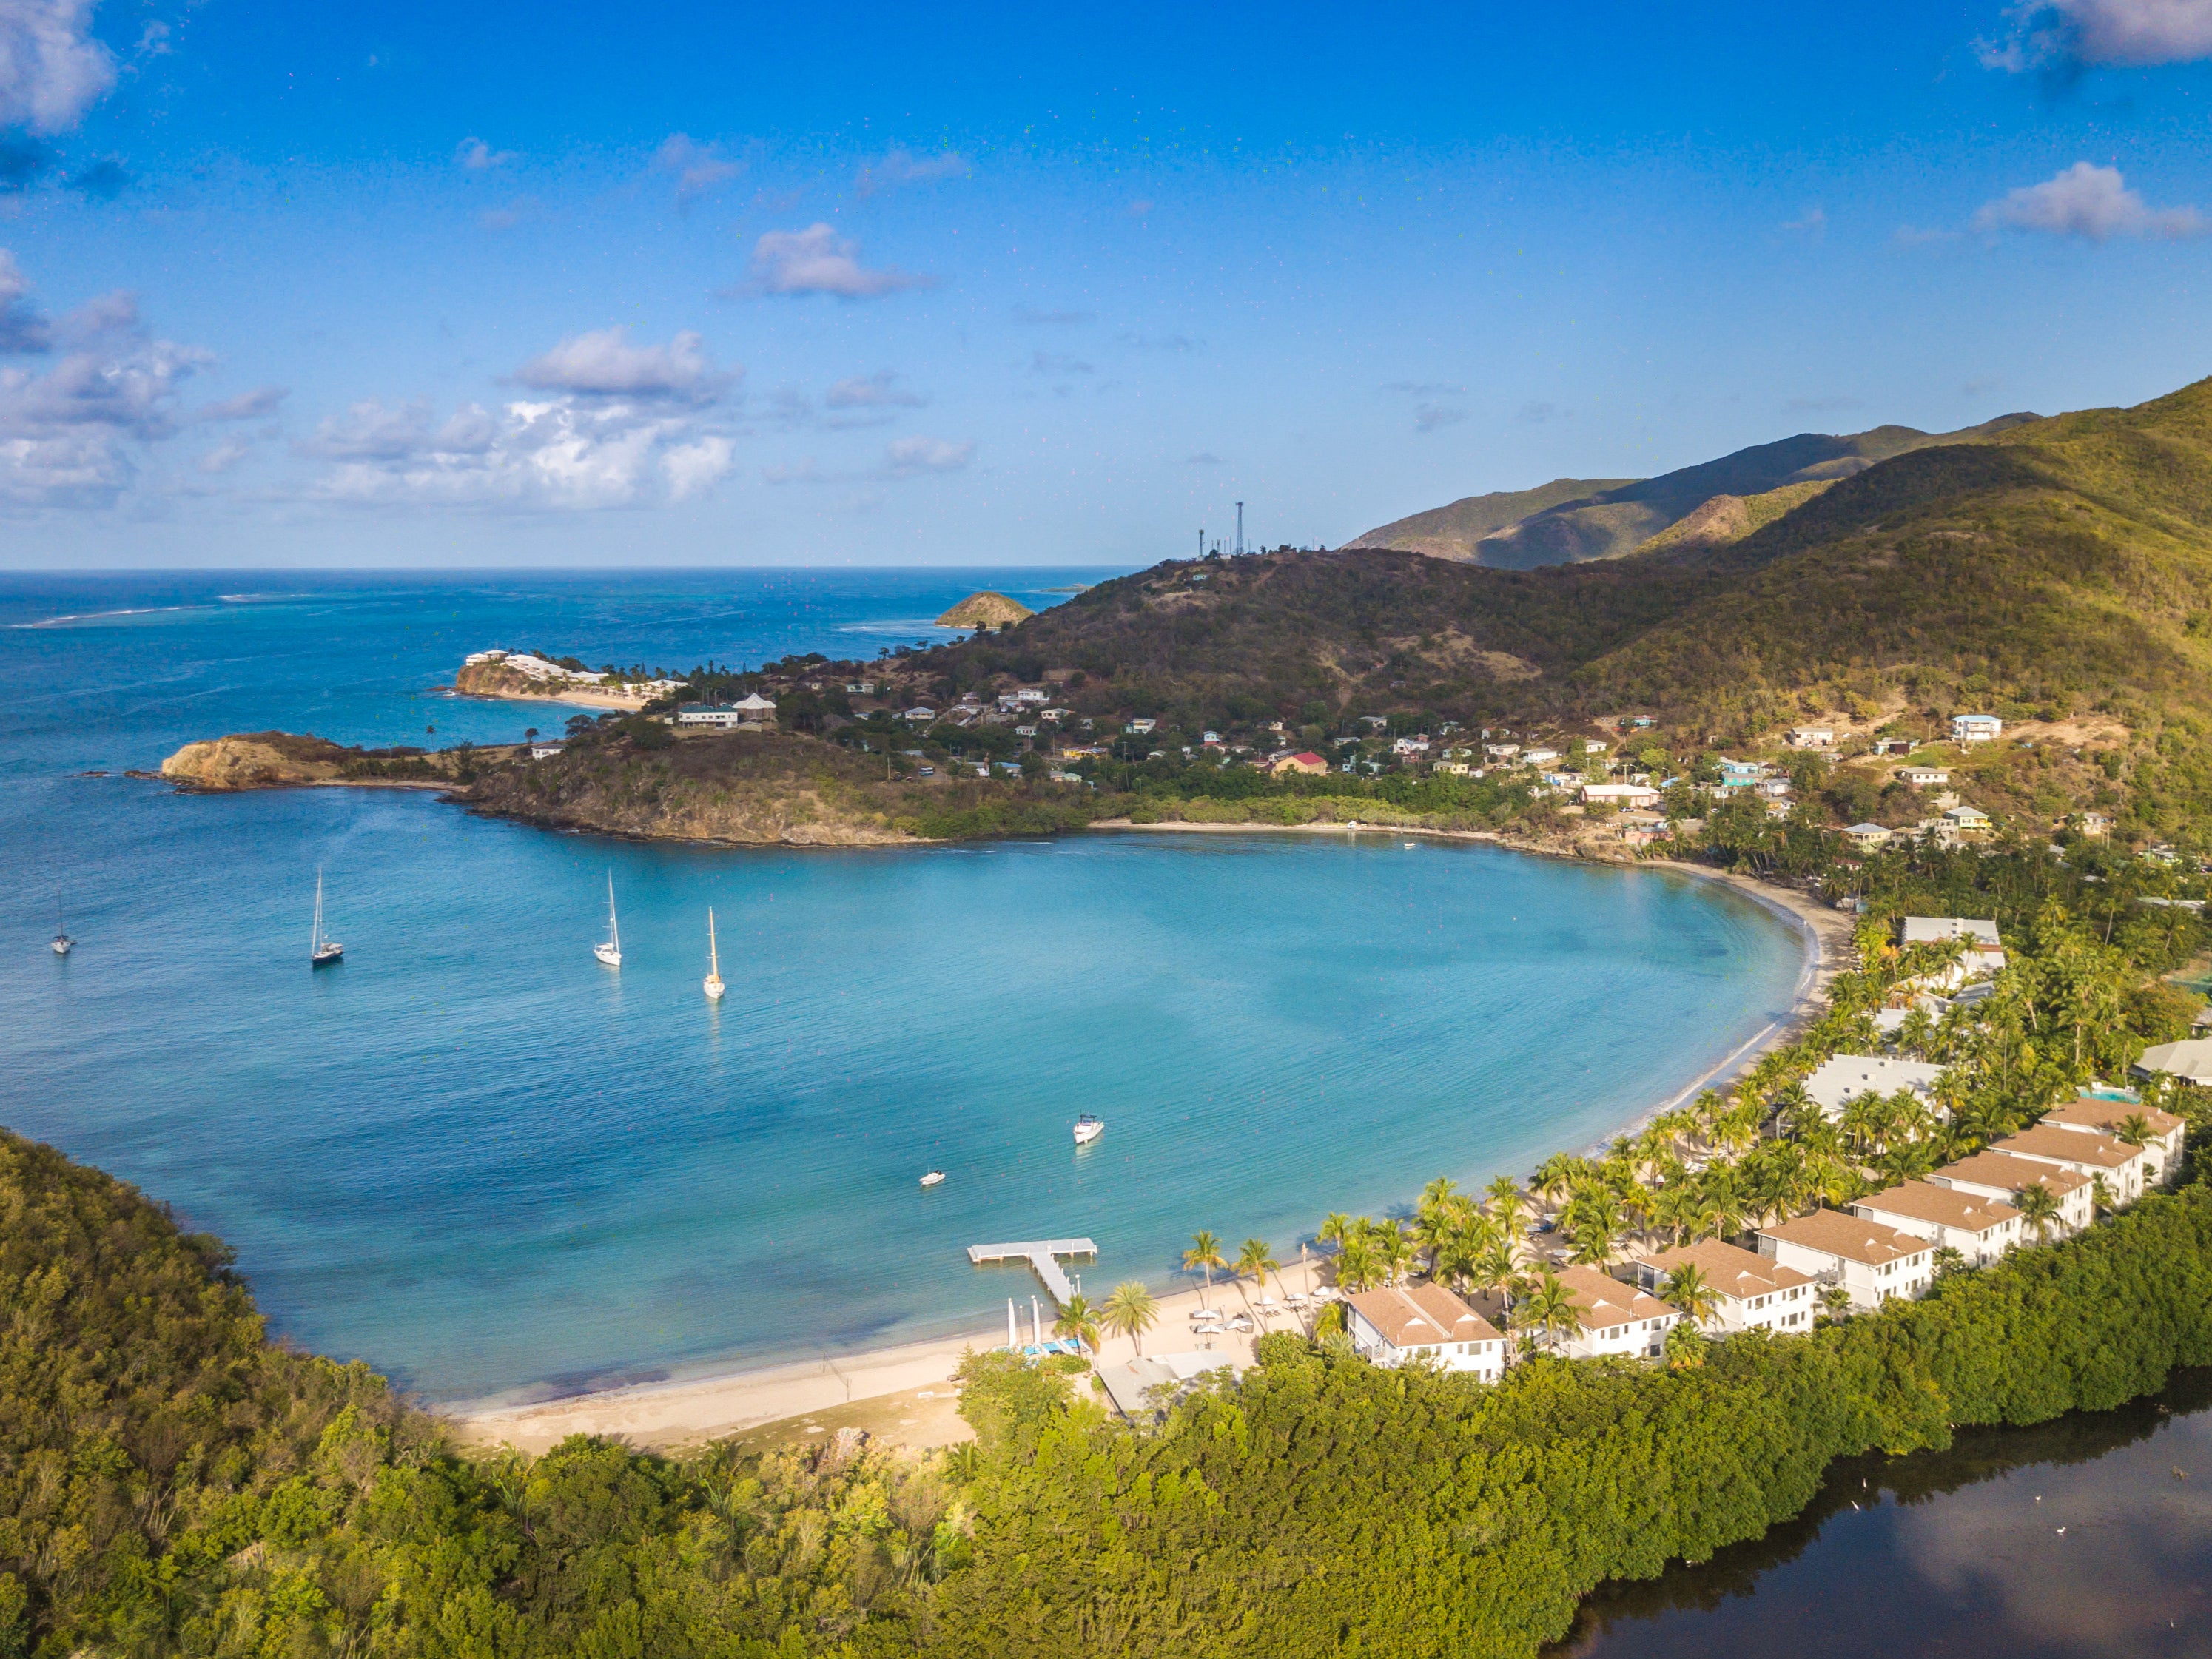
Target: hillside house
{"x":1923,"y":777}
{"x":1962,"y":823}
{"x":706,"y":717}
{"x":2189,"y":1060}
{"x":1866,"y":837}
{"x":1975,"y":728}
{"x":1813,"y":737}
{"x":1754,"y":1292}
{"x":1871,"y":1261}
{"x":1985,"y":953}
{"x":1635,"y":797}
{"x":1305,"y":761}
{"x":1617,"y":1318}
{"x":1141,"y":727}
{"x":1995,"y":1174}
{"x":1979,"y":1227}
{"x":2097,"y":825}
{"x":1423,"y":1322}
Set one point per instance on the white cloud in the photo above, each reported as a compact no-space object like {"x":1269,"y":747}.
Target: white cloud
{"x":2132,"y":33}
{"x":816,"y":260}
{"x":73,"y":436}
{"x":902,"y":167}
{"x":224,"y":456}
{"x":2092,"y":203}
{"x":52,"y":70}
{"x":1053,"y":363}
{"x":245,"y":406}
{"x":1434,"y":417}
{"x":561,"y":453}
{"x":908,"y":456}
{"x":878,"y":391}
{"x":604,"y":364}
{"x":697,"y":167}
{"x":477,"y":156}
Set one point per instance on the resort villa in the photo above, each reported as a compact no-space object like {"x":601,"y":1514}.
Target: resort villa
{"x":1617,"y":1318}
{"x":1836,"y":1082}
{"x":754,"y":710}
{"x":1985,"y":953}
{"x":2094,"y":1116}
{"x":1975,"y":728}
{"x":1980,"y":1228}
{"x":2000,"y":1175}
{"x":1423,"y":1321}
{"x":1753,"y":1293}
{"x":2084,"y":1152}
{"x":2190,"y":1060}
{"x":1304,"y":761}
{"x":1635,"y":797}
{"x":1866,"y":837}
{"x":1871,"y":1261}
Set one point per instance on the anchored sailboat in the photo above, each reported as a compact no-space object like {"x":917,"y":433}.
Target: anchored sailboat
{"x":610,"y":952}
{"x":715,"y":985}
{"x":62,"y":940}
{"x":322,"y":951}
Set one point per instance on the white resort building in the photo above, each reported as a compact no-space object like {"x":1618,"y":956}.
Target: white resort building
{"x":2084,"y":1152}
{"x":1425,"y":1322}
{"x":1838,"y":1081}
{"x":1872,"y":1261}
{"x":1617,"y":1318}
{"x":2093,"y":1115}
{"x":1979,"y":1227}
{"x":2000,"y":1176}
{"x":1754,"y":1292}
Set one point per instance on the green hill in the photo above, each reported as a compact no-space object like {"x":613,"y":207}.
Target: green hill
{"x":1570,"y":520}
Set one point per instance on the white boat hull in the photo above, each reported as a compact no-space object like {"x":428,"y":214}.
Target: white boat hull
{"x":609,"y":954}
{"x":934,"y":1178}
{"x":714,"y":988}
{"x":62,"y":946}
{"x":1087,"y":1133}
{"x":326,"y":955}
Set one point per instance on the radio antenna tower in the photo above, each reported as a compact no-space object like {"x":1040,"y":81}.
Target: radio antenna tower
{"x":1240,"y":530}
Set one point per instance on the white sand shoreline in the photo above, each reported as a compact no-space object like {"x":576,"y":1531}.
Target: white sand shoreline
{"x":685,"y":1411}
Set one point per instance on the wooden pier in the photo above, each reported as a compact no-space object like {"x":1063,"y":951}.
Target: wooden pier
{"x":1041,"y":1255}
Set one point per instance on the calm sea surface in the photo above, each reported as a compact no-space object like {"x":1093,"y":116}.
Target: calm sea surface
{"x":2087,"y":1538}
{"x":474,"y":1157}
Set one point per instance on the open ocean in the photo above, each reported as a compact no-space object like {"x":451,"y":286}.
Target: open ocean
{"x":489,"y":1166}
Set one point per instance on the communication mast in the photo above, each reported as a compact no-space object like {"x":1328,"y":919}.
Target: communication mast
{"x":1240,"y":530}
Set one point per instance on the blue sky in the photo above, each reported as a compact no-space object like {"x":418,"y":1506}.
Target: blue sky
{"x":353,"y":284}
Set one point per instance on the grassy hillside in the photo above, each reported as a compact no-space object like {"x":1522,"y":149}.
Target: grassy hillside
{"x":2056,"y":571}
{"x":1548,"y":526}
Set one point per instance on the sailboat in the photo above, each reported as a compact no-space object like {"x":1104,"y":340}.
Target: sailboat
{"x":322,"y":951}
{"x":610,"y":952}
{"x":715,"y":985}
{"x":62,"y":940}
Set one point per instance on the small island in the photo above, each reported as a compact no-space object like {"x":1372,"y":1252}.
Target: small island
{"x":987,"y":608}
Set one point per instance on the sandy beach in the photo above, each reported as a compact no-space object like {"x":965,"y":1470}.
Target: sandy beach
{"x":912,"y":1386}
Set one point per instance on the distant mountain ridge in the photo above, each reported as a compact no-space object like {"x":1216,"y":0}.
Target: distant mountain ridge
{"x":1569,"y":521}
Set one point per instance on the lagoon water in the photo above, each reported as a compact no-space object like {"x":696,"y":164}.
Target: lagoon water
{"x":492,"y":1167}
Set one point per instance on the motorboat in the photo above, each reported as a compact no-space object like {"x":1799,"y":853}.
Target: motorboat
{"x":934,"y":1178}
{"x":1088,"y":1129}
{"x":322,"y":951}
{"x":610,"y":952}
{"x":714,"y":988}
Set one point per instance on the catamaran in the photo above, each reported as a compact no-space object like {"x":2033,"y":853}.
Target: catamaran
{"x":715,"y":985}
{"x":321,"y":951}
{"x":610,"y":952}
{"x":62,"y":940}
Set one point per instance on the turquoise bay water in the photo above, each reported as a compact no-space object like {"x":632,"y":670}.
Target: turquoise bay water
{"x":489,"y":1165}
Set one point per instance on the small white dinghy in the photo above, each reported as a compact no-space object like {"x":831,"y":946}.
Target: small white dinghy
{"x":934,"y":1178}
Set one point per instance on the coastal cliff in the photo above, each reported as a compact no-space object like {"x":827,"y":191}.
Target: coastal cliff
{"x":525,"y":676}
{"x":293,"y":760}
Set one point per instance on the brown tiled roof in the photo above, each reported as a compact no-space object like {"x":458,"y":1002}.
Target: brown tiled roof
{"x":1730,"y":1269}
{"x":2071,"y":1145}
{"x":1605,"y":1302}
{"x":1420,"y":1316}
{"x":1948,"y":1206}
{"x":2107,"y":1116}
{"x":1848,"y":1236}
{"x":1996,"y":1169}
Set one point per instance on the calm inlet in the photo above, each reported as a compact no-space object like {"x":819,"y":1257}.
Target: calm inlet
{"x":475,"y":1157}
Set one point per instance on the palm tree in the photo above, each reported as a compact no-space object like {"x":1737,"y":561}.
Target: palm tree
{"x":1835,"y":1301}
{"x":1336,"y":1228}
{"x":2100,"y":1195}
{"x":1439,"y":1193}
{"x":1079,"y":1322}
{"x":2133,"y":1130}
{"x":1254,"y":1258}
{"x":1947,"y":1260}
{"x":1392,"y":1250}
{"x":1204,"y":1252}
{"x":1687,"y":1291}
{"x":1356,"y":1265}
{"x":1508,"y":1204}
{"x":1130,"y":1311}
{"x":2038,"y":1207}
{"x":1550,"y":1308}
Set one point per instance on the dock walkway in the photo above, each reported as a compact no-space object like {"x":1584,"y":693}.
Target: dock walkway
{"x":1040,"y":1254}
